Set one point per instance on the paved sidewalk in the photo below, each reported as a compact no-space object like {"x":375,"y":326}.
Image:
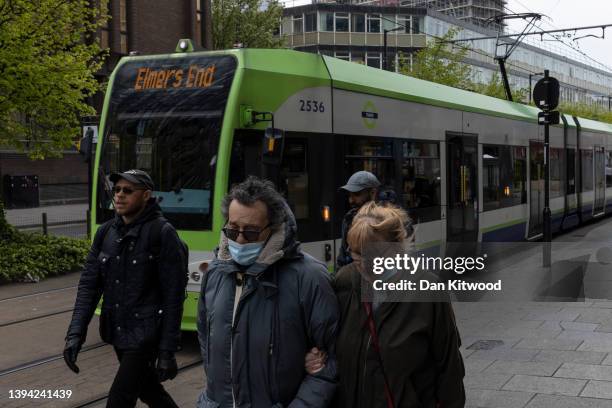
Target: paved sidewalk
{"x":55,"y":214}
{"x":545,"y":354}
{"x":537,"y":355}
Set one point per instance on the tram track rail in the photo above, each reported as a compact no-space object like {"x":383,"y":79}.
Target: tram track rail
{"x":103,"y":397}
{"x":39,"y":293}
{"x":29,"y":319}
{"x":45,"y":360}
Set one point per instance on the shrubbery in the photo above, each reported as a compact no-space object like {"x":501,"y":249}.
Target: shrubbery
{"x":24,"y":255}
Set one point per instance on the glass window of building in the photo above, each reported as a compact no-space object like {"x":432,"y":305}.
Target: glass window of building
{"x":298,"y":24}
{"x":343,"y":55}
{"x":404,"y":22}
{"x":286,"y":26}
{"x":420,"y":194}
{"x":373,"y":23}
{"x":310,"y":22}
{"x":388,"y":22}
{"x":416,"y":24}
{"x":342,"y":22}
{"x":326,"y":21}
{"x":358,"y":57}
{"x":357,"y":23}
{"x":373,"y":59}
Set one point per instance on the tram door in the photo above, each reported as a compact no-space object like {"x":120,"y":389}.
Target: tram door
{"x":536,"y":188}
{"x":462,"y":188}
{"x":600,"y":181}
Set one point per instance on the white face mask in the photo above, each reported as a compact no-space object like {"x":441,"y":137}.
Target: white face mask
{"x":245,"y":254}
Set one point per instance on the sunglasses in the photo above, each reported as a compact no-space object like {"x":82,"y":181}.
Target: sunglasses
{"x":250,"y":235}
{"x":126,"y":190}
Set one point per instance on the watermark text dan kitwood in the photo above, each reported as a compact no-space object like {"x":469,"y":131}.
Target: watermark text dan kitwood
{"x":500,"y":271}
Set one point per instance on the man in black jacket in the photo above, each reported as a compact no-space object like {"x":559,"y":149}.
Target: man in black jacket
{"x":263,"y":305}
{"x":138,"y":263}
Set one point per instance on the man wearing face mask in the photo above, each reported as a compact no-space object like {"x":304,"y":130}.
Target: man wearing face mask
{"x":263,"y":305}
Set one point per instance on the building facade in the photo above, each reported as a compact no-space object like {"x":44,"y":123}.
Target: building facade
{"x":356,"y":32}
{"x":477,"y":12}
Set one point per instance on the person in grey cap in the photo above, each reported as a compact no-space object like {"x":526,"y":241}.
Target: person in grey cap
{"x":362,"y":188}
{"x":139,"y":264}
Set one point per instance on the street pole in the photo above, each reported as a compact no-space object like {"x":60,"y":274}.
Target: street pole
{"x":547,"y":216}
{"x":385,"y":62}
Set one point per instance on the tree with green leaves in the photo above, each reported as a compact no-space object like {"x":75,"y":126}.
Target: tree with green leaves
{"x":251,"y":23}
{"x":583,"y":110}
{"x":440,"y":62}
{"x":495,"y":88}
{"x":48,"y":57}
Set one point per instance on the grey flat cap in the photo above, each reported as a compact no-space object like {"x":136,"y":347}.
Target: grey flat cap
{"x":135,"y":176}
{"x":360,"y":181}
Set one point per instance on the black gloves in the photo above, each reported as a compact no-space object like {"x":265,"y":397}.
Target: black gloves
{"x":71,"y":351}
{"x":166,"y":366}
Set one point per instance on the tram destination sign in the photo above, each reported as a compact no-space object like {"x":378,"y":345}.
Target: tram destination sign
{"x":156,"y":74}
{"x":191,"y":84}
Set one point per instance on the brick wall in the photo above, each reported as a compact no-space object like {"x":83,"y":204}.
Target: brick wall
{"x":155,"y":26}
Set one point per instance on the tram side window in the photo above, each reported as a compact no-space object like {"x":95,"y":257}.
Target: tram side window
{"x":504,"y":176}
{"x":571,"y":170}
{"x":374,"y":155}
{"x":556,"y":167}
{"x":421,"y":180}
{"x":587,"y":170}
{"x":294,"y":173}
{"x":608,"y":169}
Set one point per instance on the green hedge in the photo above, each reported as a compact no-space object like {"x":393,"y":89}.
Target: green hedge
{"x":24,"y":255}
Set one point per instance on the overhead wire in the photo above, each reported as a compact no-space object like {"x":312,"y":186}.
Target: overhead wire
{"x":559,"y":39}
{"x":479,"y":52}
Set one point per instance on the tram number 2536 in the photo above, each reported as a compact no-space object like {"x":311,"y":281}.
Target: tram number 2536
{"x":311,"y":106}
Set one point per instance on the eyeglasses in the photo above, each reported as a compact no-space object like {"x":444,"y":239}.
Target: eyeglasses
{"x":126,"y":190}
{"x":250,"y":235}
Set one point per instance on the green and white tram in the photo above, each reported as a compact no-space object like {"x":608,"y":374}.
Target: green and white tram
{"x":467,"y":167}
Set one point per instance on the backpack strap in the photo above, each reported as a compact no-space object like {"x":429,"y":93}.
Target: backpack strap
{"x":155,"y":231}
{"x":101,"y":236}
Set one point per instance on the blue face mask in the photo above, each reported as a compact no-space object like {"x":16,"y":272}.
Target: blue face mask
{"x":245,"y":254}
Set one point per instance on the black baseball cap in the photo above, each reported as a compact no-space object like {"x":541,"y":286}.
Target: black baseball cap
{"x":360,"y":181}
{"x":134,"y":176}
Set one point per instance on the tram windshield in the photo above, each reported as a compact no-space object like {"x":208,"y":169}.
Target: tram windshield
{"x":165,"y":118}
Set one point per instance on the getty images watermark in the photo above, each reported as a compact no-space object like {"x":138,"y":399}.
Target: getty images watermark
{"x":495,"y":271}
{"x":405,"y":263}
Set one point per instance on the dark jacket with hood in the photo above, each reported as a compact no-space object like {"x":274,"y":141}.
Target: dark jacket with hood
{"x":287,"y":307}
{"x":419,"y":345}
{"x":143,"y":284}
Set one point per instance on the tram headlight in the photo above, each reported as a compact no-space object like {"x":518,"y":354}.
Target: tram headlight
{"x":184,"y":45}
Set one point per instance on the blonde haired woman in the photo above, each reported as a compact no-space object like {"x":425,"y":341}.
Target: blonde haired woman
{"x":391,"y":354}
